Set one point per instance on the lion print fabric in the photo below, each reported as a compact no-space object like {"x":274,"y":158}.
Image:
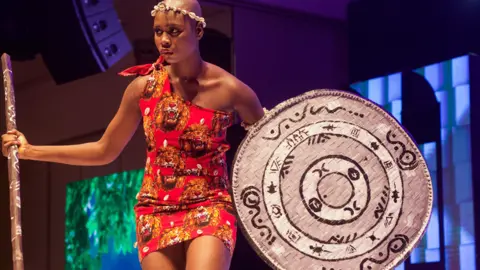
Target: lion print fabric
{"x":184,"y":193}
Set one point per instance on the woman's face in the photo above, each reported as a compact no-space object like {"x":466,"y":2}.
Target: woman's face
{"x":176,"y":36}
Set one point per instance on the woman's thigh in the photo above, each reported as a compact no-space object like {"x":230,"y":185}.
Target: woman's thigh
{"x":207,"y":253}
{"x":169,"y":258}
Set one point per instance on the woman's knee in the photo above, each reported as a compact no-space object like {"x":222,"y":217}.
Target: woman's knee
{"x":170,"y":258}
{"x":207,"y":253}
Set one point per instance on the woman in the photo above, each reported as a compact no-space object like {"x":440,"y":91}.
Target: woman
{"x":184,"y":212}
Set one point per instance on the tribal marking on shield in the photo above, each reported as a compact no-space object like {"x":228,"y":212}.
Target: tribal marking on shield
{"x":329,"y":180}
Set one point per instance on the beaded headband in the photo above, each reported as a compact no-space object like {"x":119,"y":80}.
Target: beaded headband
{"x":163,"y":8}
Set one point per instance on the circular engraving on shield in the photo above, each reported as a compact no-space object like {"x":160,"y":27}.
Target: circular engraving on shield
{"x":341,"y":193}
{"x":337,"y":184}
{"x":334,"y":193}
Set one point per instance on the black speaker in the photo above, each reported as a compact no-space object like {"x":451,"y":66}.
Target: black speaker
{"x":82,"y":38}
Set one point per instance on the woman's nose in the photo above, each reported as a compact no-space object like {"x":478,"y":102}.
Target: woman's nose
{"x":165,"y":41}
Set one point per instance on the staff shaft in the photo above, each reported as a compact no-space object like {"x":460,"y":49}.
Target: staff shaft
{"x":13,"y":167}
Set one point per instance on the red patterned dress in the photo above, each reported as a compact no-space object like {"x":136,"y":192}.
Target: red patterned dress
{"x":184,"y":193}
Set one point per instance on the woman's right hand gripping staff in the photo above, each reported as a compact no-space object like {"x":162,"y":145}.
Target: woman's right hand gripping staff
{"x":101,"y":152}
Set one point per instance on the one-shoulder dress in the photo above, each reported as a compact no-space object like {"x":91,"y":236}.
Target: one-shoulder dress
{"x":185,"y":189}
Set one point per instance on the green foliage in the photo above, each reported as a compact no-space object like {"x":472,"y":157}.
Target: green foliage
{"x":99,"y":218}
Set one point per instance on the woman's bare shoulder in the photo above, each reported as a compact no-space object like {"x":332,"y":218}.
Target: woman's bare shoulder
{"x":136,"y":87}
{"x":225,"y":78}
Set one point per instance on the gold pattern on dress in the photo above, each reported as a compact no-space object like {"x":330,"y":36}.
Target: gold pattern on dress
{"x":148,"y":227}
{"x":196,"y":140}
{"x":219,"y":182}
{"x":218,"y":159}
{"x":227,"y":206}
{"x":169,"y":157}
{"x":170,"y":182}
{"x":202,"y":216}
{"x":149,"y":188}
{"x":155,"y":84}
{"x":171,"y":113}
{"x":149,"y":133}
{"x":150,"y":87}
{"x":195,"y":190}
{"x":224,"y":232}
{"x":172,"y":236}
{"x":148,"y":167}
{"x":220,"y":123}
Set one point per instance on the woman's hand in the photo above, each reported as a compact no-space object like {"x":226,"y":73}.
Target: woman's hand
{"x":14,"y":137}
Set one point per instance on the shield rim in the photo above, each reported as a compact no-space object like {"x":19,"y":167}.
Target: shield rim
{"x":279,"y":108}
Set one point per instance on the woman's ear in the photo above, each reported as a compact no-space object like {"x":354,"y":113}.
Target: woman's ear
{"x":199,"y":31}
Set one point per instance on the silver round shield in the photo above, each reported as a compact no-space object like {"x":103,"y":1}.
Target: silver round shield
{"x":329,"y":180}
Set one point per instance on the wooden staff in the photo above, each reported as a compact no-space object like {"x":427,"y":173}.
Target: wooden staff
{"x":13,"y":167}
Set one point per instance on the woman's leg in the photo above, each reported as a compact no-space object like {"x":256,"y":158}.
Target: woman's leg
{"x":169,"y":258}
{"x":207,"y":253}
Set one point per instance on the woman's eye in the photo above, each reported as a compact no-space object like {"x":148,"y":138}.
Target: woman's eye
{"x":174,"y":32}
{"x":171,"y":31}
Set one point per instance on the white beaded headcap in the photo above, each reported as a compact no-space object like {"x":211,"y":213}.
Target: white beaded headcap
{"x":163,"y":8}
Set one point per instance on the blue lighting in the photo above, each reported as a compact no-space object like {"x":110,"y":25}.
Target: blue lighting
{"x":451,"y":82}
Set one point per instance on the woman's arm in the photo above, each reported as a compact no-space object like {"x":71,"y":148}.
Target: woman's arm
{"x":246,"y":103}
{"x":104,"y":151}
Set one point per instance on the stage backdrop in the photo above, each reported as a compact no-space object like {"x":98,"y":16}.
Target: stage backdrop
{"x":100,"y":222}
{"x":451,"y":82}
